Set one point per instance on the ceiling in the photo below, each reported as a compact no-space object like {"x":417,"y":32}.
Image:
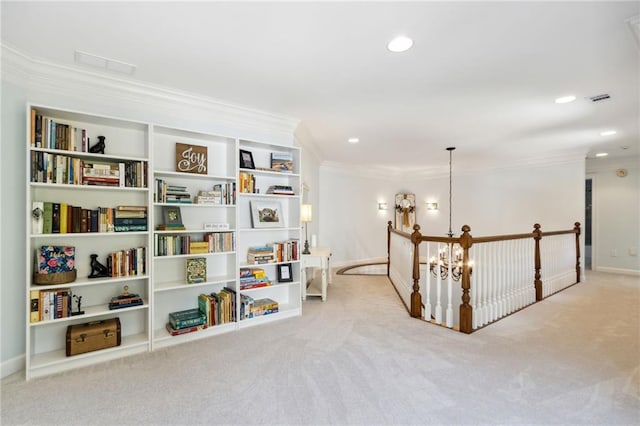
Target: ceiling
{"x":481,"y":76}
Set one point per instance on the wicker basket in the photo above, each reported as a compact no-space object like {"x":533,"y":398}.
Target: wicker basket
{"x":55,"y":278}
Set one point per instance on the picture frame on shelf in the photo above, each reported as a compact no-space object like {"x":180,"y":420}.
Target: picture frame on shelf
{"x":171,"y":216}
{"x":282,"y":162}
{"x":246,"y":160}
{"x":266,"y":214}
{"x":284,"y":273}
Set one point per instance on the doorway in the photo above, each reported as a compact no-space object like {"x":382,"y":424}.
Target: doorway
{"x":588,"y":218}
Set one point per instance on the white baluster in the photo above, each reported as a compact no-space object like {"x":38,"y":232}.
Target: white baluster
{"x":449,"y":321}
{"x":438,"y":290}
{"x":427,"y":304}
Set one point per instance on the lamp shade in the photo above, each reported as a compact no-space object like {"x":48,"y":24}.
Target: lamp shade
{"x":305,"y":213}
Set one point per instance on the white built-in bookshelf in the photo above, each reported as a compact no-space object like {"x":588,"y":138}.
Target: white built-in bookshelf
{"x":145,"y":154}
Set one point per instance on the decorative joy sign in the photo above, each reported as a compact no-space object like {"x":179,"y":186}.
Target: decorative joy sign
{"x":191,"y":158}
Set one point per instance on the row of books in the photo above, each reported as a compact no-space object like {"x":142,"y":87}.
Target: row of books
{"x":213,"y":242}
{"x":223,"y":194}
{"x":64,"y":169}
{"x":285,"y":251}
{"x":62,"y":218}
{"x":127,"y":262}
{"x":253,"y":278}
{"x":48,"y":305}
{"x":50,"y":134}
{"x":247,"y":183}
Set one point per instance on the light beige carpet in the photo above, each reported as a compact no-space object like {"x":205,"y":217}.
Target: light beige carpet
{"x":358,"y":358}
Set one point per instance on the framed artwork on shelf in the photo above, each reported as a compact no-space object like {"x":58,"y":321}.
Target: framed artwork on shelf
{"x":191,"y":158}
{"x":171,"y":216}
{"x":285,"y":273}
{"x":246,"y":160}
{"x":266,"y":214}
{"x":282,"y":162}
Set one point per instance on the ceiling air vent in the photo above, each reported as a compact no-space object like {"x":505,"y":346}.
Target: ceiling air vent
{"x":599,"y":98}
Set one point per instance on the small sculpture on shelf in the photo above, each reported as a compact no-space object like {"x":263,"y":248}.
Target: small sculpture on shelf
{"x":99,"y":147}
{"x":78,"y":303}
{"x":98,"y":270}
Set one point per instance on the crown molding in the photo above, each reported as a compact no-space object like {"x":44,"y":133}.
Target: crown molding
{"x":425,"y":173}
{"x":609,"y":164}
{"x":305,"y":140}
{"x":38,"y":75}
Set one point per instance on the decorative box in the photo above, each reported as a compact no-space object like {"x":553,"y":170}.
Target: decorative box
{"x":93,"y":336}
{"x":56,"y":265}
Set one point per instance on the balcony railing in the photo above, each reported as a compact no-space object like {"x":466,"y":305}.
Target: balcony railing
{"x":491,"y":277}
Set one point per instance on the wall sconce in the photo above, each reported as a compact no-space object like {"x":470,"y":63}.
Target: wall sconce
{"x":383,"y":206}
{"x":432,"y":206}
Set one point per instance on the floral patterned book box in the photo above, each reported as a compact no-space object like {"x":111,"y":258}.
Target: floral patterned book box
{"x":56,"y":265}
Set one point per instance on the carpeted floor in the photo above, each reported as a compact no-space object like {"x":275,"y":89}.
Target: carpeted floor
{"x":358,"y":358}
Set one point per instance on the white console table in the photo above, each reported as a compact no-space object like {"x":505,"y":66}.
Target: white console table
{"x":320,"y":257}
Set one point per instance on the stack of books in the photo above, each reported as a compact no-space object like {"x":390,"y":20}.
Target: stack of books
{"x":280,"y":190}
{"x":218,"y":308}
{"x":264,"y":306}
{"x":125,"y":301}
{"x":208,"y":197}
{"x":261,"y":254}
{"x":253,"y":278}
{"x":186,"y":321}
{"x":102,"y":174}
{"x":130,"y":218}
{"x":177,"y":194}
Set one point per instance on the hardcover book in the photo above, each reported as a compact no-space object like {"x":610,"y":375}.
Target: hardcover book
{"x":196,"y":269}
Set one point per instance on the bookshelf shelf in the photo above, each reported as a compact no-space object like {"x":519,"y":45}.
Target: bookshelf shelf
{"x":56,"y":360}
{"x":85,"y":282}
{"x":180,"y":285}
{"x":89,"y":313}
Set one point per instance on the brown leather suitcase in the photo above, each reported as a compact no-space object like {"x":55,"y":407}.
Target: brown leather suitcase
{"x":93,"y":336}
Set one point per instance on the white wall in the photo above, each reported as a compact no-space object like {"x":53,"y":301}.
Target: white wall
{"x":492,"y":202}
{"x":616,"y":214}
{"x":310,"y":179}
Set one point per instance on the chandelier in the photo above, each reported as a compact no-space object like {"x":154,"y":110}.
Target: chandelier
{"x":448,"y":258}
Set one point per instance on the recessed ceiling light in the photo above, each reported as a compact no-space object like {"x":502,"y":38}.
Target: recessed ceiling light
{"x":400,"y":44}
{"x":608,"y":133}
{"x":565,"y":99}
{"x":353,"y":140}
{"x":601,"y":154}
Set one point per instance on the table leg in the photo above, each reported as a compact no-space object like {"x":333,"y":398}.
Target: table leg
{"x":324,"y":284}
{"x":303,"y":281}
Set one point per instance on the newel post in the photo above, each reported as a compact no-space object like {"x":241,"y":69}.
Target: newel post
{"x":576,"y":229}
{"x":466,"y":311}
{"x":416,"y":299}
{"x":388,"y":247}
{"x":537,"y":282}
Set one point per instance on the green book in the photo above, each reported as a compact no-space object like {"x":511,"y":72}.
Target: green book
{"x":48,"y":218}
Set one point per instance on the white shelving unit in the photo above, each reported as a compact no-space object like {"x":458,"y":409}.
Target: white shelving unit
{"x":163,"y":284}
{"x":126,"y":141}
{"x":171,"y":292}
{"x":287,"y":294}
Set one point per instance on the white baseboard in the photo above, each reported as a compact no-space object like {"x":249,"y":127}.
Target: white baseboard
{"x":343,"y":263}
{"x":621,"y":271}
{"x":12,"y":366}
